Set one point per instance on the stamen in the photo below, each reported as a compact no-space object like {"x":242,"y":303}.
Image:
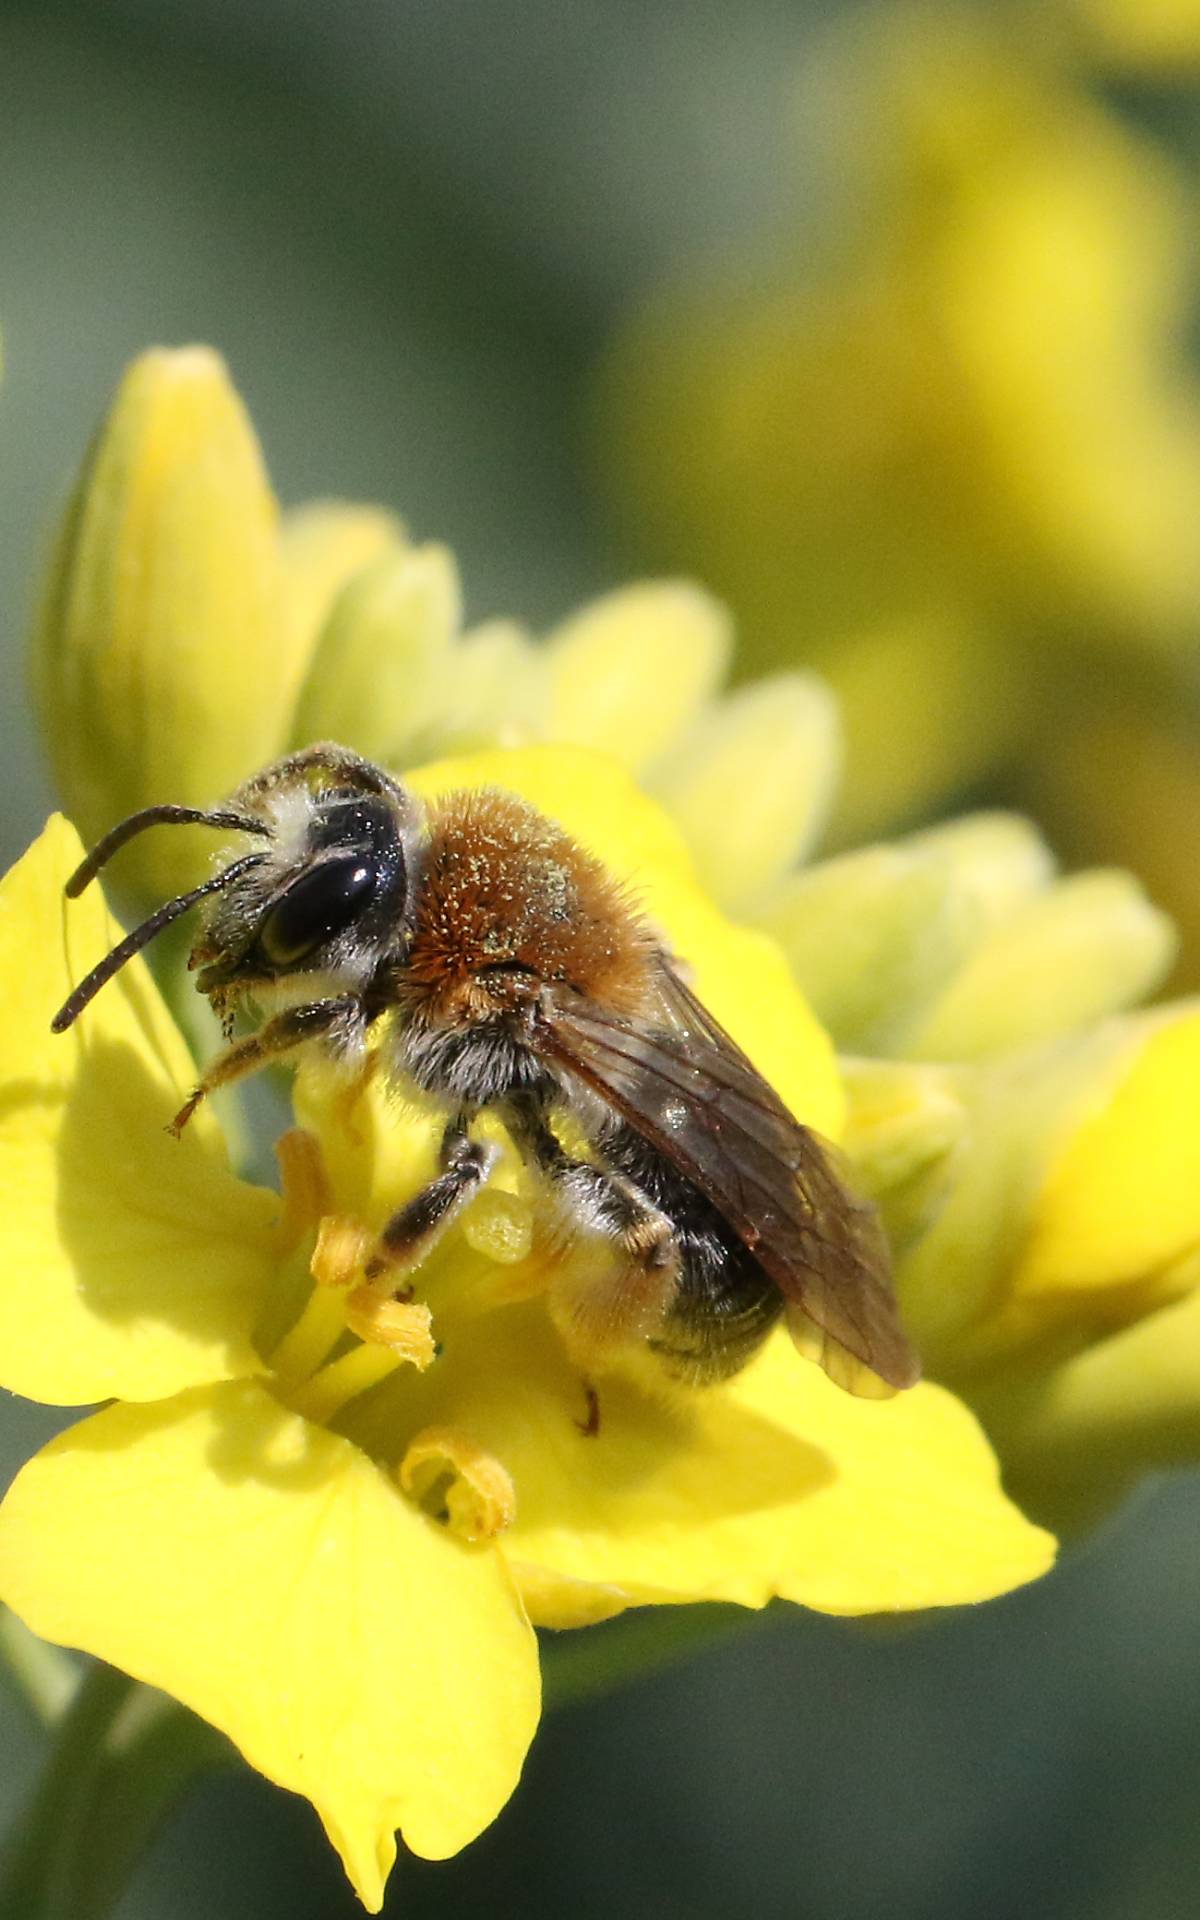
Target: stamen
{"x":397,"y":1331}
{"x":459,"y":1482}
{"x":303,"y":1184}
{"x":333,"y":1387}
{"x":404,"y":1327}
{"x":341,"y":1250}
{"x":309,"y":1343}
{"x":335,"y":1262}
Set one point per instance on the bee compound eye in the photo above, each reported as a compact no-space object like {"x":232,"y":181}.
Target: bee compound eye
{"x":316,"y":906}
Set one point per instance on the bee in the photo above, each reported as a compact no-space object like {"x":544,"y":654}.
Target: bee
{"x":495,"y":965}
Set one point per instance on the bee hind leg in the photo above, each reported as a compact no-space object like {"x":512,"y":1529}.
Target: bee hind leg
{"x":621,"y":1268}
{"x":621,"y":1264}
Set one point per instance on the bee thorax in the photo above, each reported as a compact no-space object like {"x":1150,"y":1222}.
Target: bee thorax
{"x":473,"y":1065}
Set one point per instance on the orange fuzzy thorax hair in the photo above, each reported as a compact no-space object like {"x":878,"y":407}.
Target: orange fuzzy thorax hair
{"x":504,"y":886}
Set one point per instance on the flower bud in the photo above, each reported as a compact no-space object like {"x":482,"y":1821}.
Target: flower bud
{"x":323,"y":545}
{"x":1087,"y":947}
{"x":378,"y":675}
{"x":1075,"y":1199}
{"x":630,"y":671}
{"x":161,"y":663}
{"x":749,"y":785}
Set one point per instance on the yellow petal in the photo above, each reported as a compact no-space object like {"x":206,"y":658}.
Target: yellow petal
{"x":876,"y":936}
{"x":499,"y":691}
{"x":375,"y":682}
{"x":162,"y":664}
{"x":630,"y":671}
{"x":778,"y":1483}
{"x":272,"y":1578}
{"x":135,"y":1264}
{"x":1090,"y":946}
{"x":1122,"y":1199}
{"x":751,"y":783}
{"x":323,"y":544}
{"x":957,"y":1281}
{"x":1075,"y":1434}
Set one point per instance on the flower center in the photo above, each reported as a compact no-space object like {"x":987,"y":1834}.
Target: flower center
{"x":351,"y":1334}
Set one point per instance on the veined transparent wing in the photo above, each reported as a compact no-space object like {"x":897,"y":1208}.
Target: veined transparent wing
{"x":688,"y":1088}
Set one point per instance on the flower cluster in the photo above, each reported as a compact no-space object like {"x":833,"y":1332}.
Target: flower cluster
{"x":946,"y":445}
{"x":336,"y":1548}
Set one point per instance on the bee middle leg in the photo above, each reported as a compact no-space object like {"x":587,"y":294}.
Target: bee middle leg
{"x":412,"y":1231}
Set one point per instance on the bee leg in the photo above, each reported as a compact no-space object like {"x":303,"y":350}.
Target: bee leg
{"x":280,"y":1035}
{"x":589,"y":1426}
{"x":411,"y":1232}
{"x":599,"y":1303}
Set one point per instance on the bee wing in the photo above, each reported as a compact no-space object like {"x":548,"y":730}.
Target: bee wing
{"x":688,"y":1088}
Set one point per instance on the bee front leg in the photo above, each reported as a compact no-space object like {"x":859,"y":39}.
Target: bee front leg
{"x":316,"y":1020}
{"x":411,"y":1232}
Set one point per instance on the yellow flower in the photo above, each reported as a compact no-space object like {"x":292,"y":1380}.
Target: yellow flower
{"x":988,"y":1001}
{"x":334,"y":1549}
{"x":1154,"y":37}
{"x":1029,"y":1138}
{"x":935,"y":459}
{"x":179,"y":614}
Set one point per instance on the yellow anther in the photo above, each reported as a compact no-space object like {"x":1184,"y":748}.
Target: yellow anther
{"x":343,"y":1244}
{"x":304,"y":1186}
{"x":403,"y":1326}
{"x":459,"y":1482}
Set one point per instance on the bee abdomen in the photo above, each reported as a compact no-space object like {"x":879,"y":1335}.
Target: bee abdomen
{"x":725,"y":1304}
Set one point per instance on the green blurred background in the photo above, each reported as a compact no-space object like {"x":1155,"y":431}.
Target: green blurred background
{"x":881,"y":321}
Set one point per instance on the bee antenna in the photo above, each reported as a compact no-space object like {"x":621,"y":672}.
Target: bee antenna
{"x":142,"y":935}
{"x":168,"y":815}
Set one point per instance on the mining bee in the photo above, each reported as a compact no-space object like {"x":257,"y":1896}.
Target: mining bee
{"x":500,"y":967}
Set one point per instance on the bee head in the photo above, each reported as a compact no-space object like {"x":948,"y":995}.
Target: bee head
{"x":324,"y":890}
{"x":328,"y":897}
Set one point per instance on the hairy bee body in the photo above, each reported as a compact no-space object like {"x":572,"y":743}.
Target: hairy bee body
{"x":724,"y":1303}
{"x":496,"y":964}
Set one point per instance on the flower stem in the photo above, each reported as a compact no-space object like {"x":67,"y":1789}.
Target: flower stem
{"x":579,"y":1666}
{"x":159,"y":1751}
{"x":45,"y":1677}
{"x":121,"y":1755}
{"x":43,"y":1874}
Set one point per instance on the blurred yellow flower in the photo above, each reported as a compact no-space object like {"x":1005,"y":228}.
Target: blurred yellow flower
{"x":332,"y":1548}
{"x":1154,"y":37}
{"x":938,"y":455}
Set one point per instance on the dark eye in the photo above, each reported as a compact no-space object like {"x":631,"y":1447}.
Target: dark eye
{"x":320,"y":903}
